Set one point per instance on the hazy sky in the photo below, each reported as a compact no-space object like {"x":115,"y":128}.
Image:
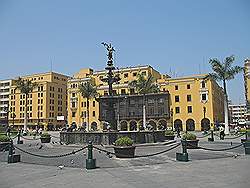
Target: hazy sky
{"x":175,"y":37}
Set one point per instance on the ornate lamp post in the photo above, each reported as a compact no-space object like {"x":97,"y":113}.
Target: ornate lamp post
{"x":110,"y":79}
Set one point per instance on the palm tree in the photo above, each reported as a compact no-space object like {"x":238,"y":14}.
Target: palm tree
{"x":25,"y":87}
{"x":88,"y":91}
{"x":144,"y":85}
{"x":224,"y":71}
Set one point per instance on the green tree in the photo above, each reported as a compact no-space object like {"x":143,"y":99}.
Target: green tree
{"x":25,"y":87}
{"x":88,"y":91}
{"x":224,"y":71}
{"x":144,"y":85}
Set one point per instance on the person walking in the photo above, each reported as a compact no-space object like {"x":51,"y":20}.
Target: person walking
{"x":222,"y":133}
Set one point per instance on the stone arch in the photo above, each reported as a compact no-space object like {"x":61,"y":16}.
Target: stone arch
{"x":205,"y":124}
{"x":124,"y":126}
{"x":162,"y":124}
{"x":132,"y":125}
{"x":153,"y":124}
{"x":190,"y":125}
{"x":140,"y":125}
{"x":94,"y":126}
{"x":178,"y":124}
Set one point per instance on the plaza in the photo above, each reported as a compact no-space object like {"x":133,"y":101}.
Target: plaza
{"x":204,"y":169}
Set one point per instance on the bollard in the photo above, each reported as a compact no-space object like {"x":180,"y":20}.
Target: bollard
{"x":212,"y":136}
{"x":13,"y":158}
{"x":90,"y":162}
{"x":184,"y":155}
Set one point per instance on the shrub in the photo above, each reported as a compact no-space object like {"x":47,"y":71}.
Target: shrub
{"x":124,"y":141}
{"x":45,"y":135}
{"x":169,"y":133}
{"x":4,"y":138}
{"x":189,"y":136}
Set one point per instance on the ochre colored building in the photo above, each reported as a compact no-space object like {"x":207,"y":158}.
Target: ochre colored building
{"x":196,"y":101}
{"x":47,"y":104}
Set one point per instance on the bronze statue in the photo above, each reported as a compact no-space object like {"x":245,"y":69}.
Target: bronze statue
{"x":110,"y":50}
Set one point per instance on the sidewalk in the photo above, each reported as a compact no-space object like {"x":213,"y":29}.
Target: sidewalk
{"x":222,"y":173}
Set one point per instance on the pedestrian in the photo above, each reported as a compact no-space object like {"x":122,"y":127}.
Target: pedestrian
{"x":222,"y":133}
{"x":40,"y":131}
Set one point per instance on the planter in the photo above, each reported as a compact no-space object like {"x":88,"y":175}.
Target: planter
{"x":4,"y":146}
{"x":191,"y":144}
{"x":45,"y":139}
{"x":124,"y":151}
{"x":169,"y":137}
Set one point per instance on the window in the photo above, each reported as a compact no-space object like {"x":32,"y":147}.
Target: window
{"x":177,"y":98}
{"x":123,"y":91}
{"x":73,"y":94}
{"x":93,"y":113}
{"x":85,"y":104}
{"x":132,"y":91}
{"x":143,"y":73}
{"x":81,"y":104}
{"x":73,"y":114}
{"x":177,"y":110}
{"x":189,"y":109}
{"x":41,"y":114}
{"x":188,"y":86}
{"x":30,"y":115}
{"x":134,"y":73}
{"x":176,"y":87}
{"x":73,"y":104}
{"x":204,"y":97}
{"x":203,"y":85}
{"x":93,"y":103}
{"x":188,"y":98}
{"x":125,"y":75}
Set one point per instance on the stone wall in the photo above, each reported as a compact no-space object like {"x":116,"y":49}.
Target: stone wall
{"x":108,"y":138}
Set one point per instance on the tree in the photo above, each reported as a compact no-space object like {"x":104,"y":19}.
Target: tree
{"x":144,"y":85}
{"x":88,"y":91}
{"x":224,"y":71}
{"x":25,"y":87}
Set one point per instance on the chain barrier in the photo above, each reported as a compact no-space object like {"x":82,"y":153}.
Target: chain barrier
{"x":13,"y":137}
{"x":211,"y":149}
{"x":139,"y":156}
{"x":204,"y":135}
{"x":230,"y":137}
{"x":235,"y":137}
{"x":50,"y":156}
{"x":4,"y":148}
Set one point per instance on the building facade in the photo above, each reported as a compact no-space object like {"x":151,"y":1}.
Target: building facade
{"x":129,"y":111}
{"x":46,"y":104}
{"x":196,"y":102}
{"x":4,"y":100}
{"x":237,"y":114}
{"x":247,"y":88}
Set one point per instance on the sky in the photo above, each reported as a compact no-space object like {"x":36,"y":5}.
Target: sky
{"x":176,"y":37}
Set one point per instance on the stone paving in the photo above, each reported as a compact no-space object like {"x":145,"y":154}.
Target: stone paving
{"x":205,"y":168}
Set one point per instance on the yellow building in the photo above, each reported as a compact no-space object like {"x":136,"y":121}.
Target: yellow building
{"x":195,"y":100}
{"x":47,"y":104}
{"x":247,"y":88}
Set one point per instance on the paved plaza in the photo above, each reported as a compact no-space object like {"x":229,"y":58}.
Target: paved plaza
{"x":205,"y":168}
